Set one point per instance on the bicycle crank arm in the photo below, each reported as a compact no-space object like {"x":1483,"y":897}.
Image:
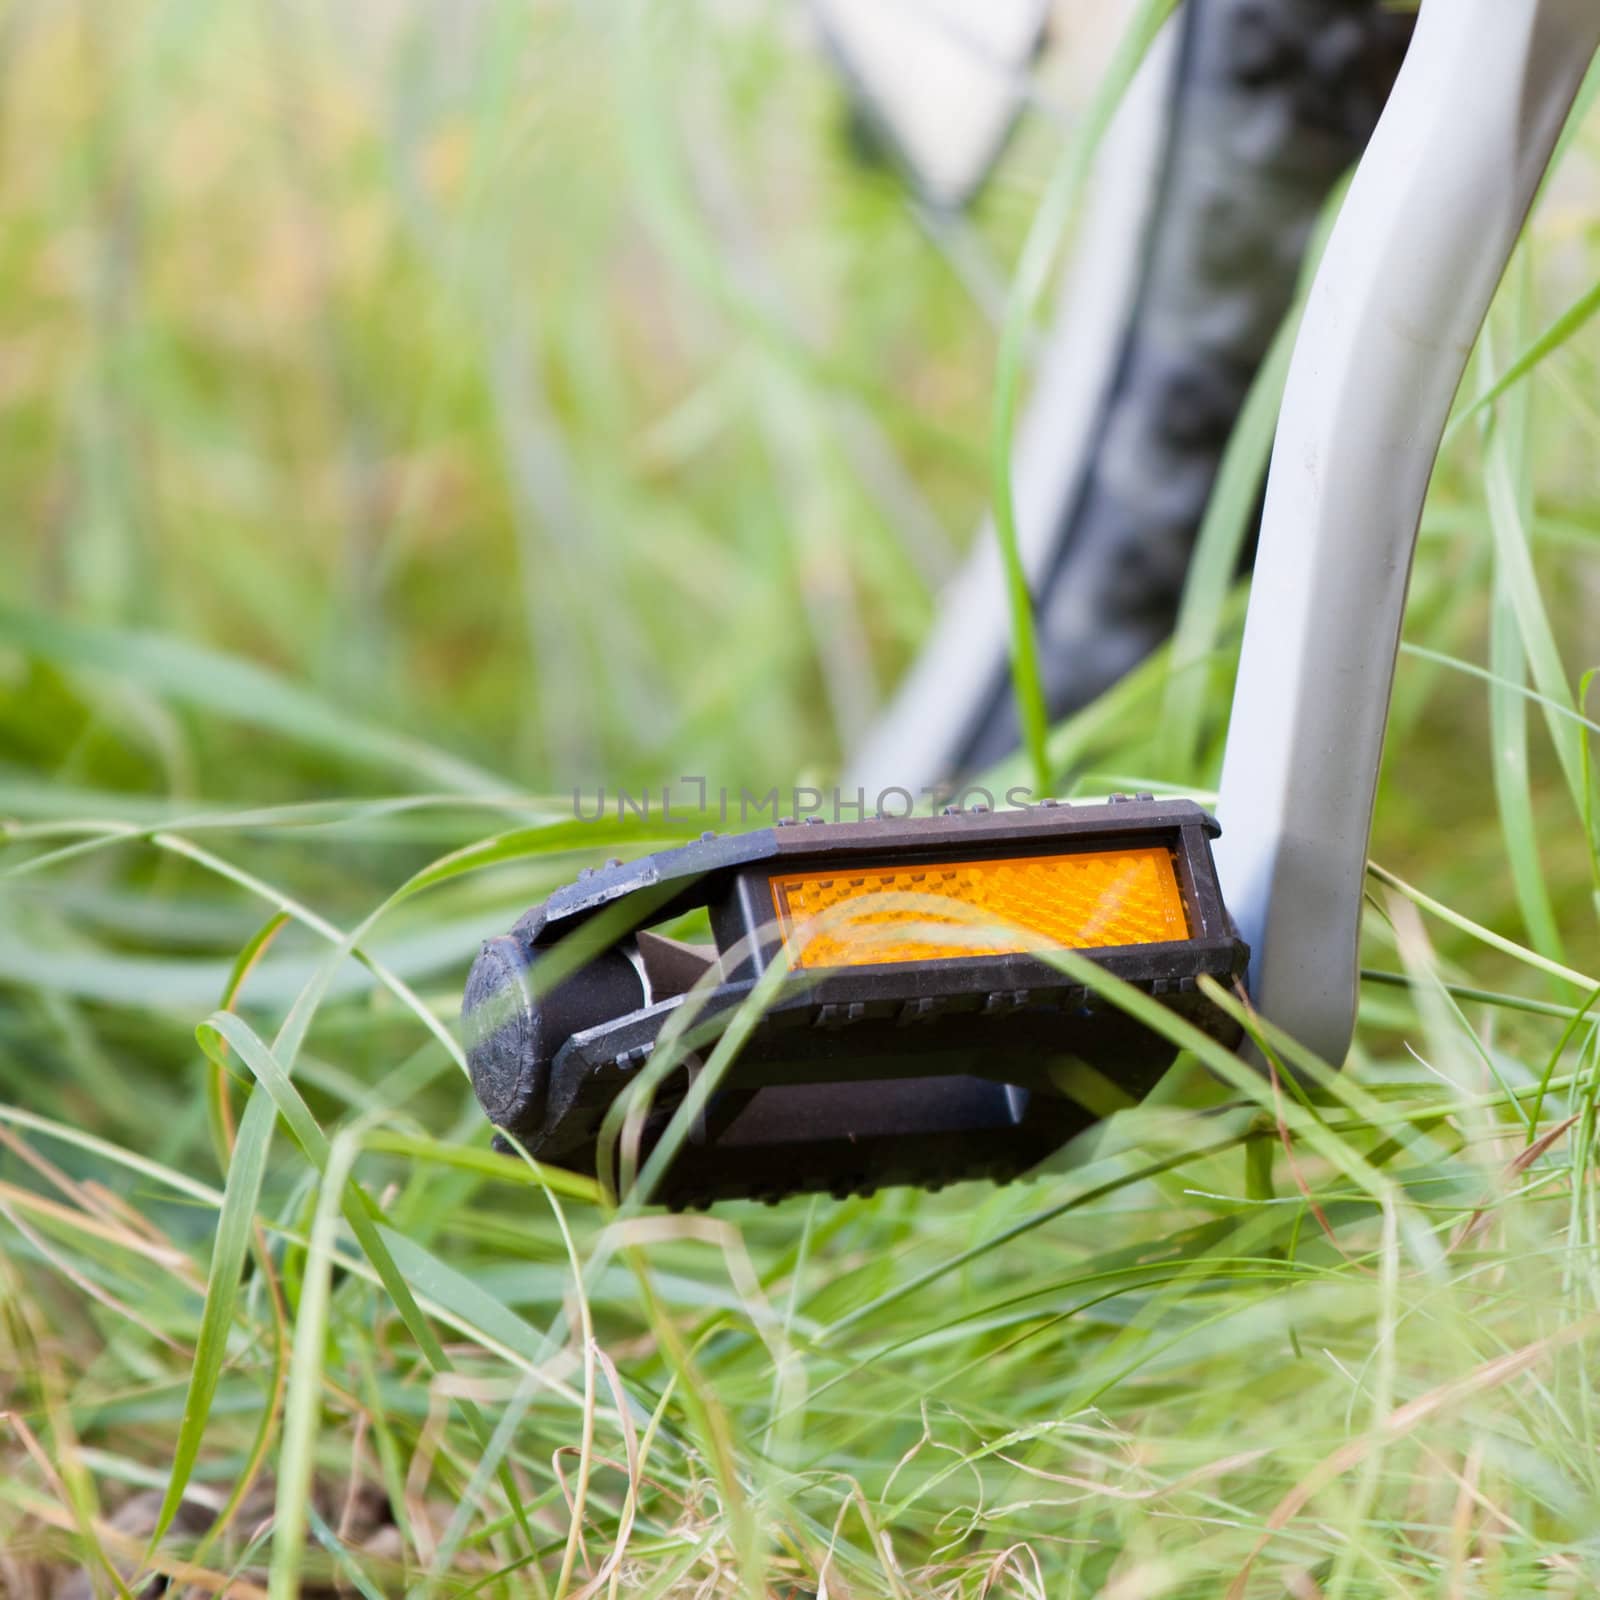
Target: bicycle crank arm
{"x":1410,"y":268}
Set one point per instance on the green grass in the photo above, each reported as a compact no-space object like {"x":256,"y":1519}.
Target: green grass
{"x":409,"y":421}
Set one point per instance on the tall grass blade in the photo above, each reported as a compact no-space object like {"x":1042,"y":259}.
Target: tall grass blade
{"x":1033,"y":272}
{"x":1505,"y":491}
{"x":231,"y":1244}
{"x":303,"y":1395}
{"x":1560,"y":332}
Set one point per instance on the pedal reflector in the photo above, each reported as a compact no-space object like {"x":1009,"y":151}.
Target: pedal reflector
{"x":870,"y":916}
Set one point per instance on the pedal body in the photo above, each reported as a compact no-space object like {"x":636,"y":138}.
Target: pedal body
{"x":916,"y":1031}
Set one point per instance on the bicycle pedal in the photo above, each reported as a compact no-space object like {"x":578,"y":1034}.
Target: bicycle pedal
{"x":914,"y":1030}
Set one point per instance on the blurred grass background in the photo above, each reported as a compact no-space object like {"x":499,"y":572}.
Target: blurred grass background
{"x":459,"y":363}
{"x":412,"y":413}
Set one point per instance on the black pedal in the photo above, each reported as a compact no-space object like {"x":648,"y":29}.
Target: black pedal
{"x":918,"y":1035}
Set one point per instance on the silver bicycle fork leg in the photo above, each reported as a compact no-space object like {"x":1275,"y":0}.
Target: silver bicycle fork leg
{"x":1423,"y":238}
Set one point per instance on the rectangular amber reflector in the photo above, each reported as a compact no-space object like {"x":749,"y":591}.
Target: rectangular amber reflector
{"x":869,"y":916}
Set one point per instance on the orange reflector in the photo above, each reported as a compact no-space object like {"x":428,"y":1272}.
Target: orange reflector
{"x":1088,"y":900}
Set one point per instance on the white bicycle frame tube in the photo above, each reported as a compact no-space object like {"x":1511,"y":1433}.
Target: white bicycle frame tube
{"x":1421,"y":242}
{"x":916,"y":743}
